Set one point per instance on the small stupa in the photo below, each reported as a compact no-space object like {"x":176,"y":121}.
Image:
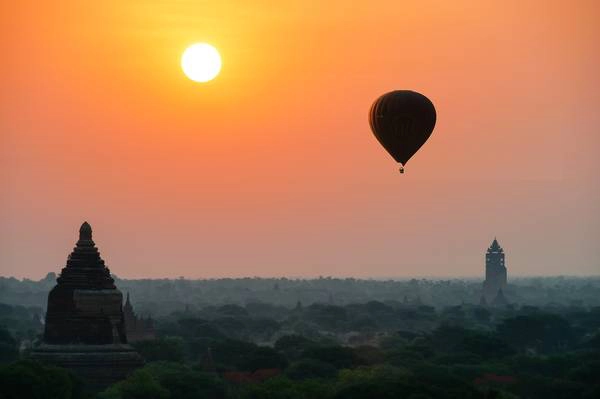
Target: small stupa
{"x":85,"y":329}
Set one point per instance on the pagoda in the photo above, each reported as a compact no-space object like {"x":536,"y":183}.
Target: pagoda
{"x":137,"y":328}
{"x":85,"y":329}
{"x":495,"y":271}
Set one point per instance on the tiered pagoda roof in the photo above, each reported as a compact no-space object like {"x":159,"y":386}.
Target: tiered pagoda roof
{"x":85,"y":268}
{"x":495,"y":247}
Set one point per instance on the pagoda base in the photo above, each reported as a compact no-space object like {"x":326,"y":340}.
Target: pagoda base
{"x":97,"y":365}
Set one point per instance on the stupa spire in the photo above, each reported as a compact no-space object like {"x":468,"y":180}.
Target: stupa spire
{"x":495,"y":247}
{"x":85,"y":232}
{"x":127,"y":308}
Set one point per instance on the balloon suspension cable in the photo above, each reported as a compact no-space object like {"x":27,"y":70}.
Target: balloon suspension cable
{"x":401,"y":168}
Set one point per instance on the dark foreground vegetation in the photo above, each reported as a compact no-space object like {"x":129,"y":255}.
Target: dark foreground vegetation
{"x":385,"y":348}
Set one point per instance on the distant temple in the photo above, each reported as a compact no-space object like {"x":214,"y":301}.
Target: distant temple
{"x":84,"y":329}
{"x":137,"y":328}
{"x":495,"y":275}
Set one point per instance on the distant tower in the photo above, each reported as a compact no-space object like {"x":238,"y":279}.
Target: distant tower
{"x":495,"y":271}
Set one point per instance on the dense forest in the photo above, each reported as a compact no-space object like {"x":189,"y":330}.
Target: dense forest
{"x":331,"y":338}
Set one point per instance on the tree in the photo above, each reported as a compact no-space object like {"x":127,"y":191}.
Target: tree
{"x":27,"y":379}
{"x":185,"y":383}
{"x":165,"y":380}
{"x":338,"y":356}
{"x":310,"y":368}
{"x":8,"y":347}
{"x":545,"y":332}
{"x":293,"y":345}
{"x":167,"y":349}
{"x":140,"y":385}
{"x":481,"y":314}
{"x":263,"y":357}
{"x":284,"y":388}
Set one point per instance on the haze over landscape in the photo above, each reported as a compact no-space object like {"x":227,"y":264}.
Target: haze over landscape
{"x":299,"y":199}
{"x":270,"y":169}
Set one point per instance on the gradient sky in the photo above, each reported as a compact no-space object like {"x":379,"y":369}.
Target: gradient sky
{"x":271,"y":169}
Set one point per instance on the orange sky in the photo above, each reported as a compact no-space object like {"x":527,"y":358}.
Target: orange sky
{"x":271,"y":169}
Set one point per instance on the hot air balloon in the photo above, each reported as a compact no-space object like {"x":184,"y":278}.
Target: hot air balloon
{"x":402,"y":121}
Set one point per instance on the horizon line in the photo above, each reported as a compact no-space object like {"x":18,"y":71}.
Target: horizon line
{"x":325,"y":277}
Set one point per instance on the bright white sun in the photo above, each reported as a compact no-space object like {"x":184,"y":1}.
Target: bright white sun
{"x":201,"y":62}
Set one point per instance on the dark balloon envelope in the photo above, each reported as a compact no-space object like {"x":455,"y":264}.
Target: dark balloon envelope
{"x":402,"y":121}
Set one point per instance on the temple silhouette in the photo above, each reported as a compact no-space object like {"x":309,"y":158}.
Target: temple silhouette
{"x":85,"y":328}
{"x":137,"y":328}
{"x":495,"y":276}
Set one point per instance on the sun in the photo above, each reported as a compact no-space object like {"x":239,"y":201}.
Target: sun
{"x":201,"y":62}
